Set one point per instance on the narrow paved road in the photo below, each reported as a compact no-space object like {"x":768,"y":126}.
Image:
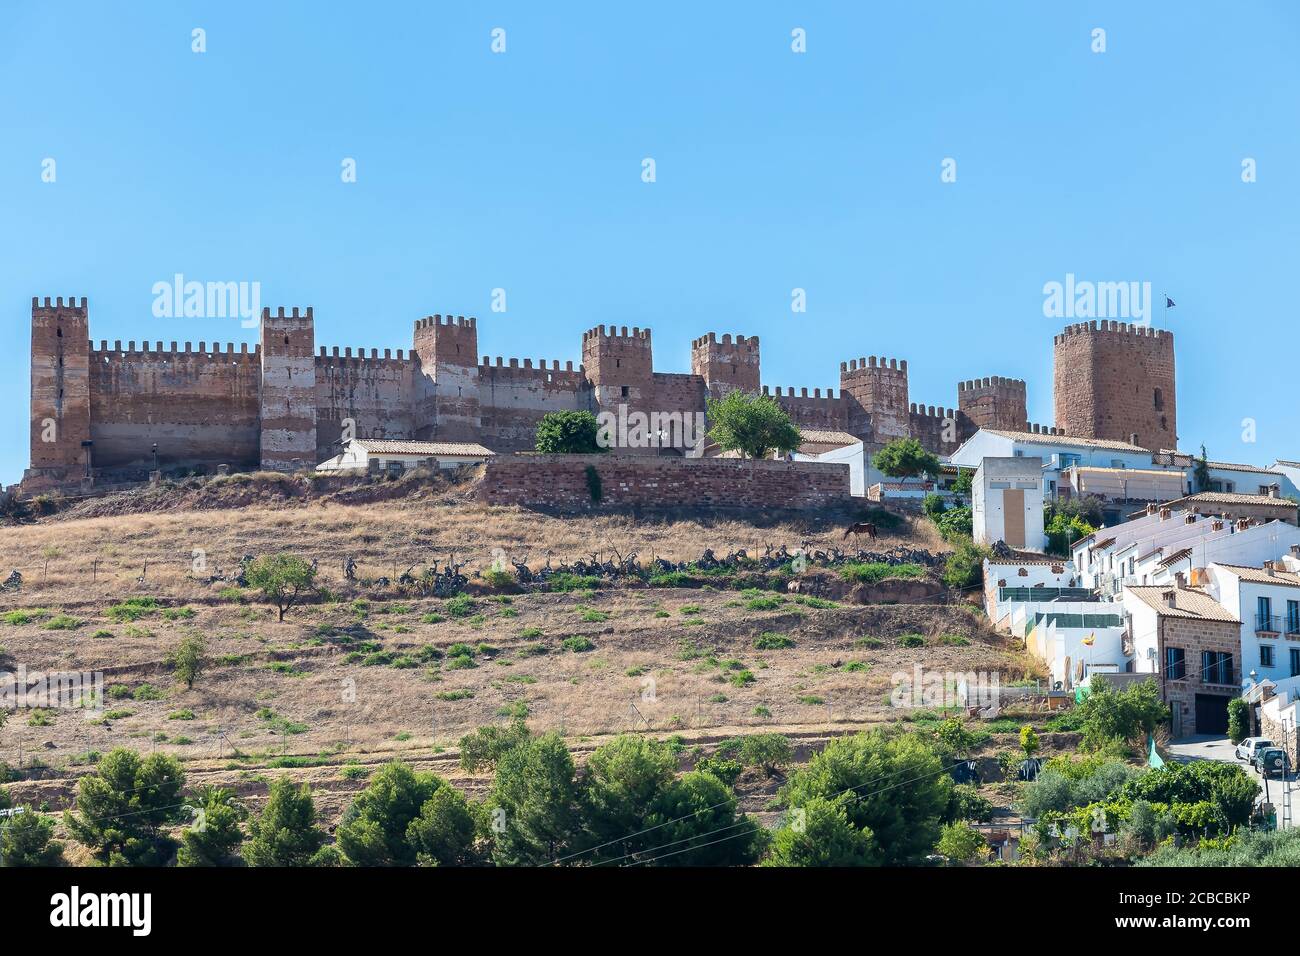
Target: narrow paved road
{"x":1221,"y":749}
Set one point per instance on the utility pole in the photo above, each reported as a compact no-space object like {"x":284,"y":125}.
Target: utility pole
{"x":1286,"y":778}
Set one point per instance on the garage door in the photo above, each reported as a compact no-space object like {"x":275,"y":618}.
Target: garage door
{"x":1211,"y":714}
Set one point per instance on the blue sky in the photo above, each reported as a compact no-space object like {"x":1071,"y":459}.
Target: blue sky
{"x":775,"y":170}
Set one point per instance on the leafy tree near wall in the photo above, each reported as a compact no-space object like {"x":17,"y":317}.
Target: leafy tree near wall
{"x":754,"y":425}
{"x":568,"y":433}
{"x":1201,"y":472}
{"x":1238,"y":719}
{"x":961,"y":843}
{"x":906,"y":458}
{"x":962,"y":486}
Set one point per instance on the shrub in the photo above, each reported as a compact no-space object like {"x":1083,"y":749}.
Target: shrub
{"x":965,"y":565}
{"x":934,"y":506}
{"x":132,"y":609}
{"x":459,"y":606}
{"x":577,"y":644}
{"x":62,"y":622}
{"x":768,"y":641}
{"x":768,"y":603}
{"x":911,"y":640}
{"x":956,"y":524}
{"x":872,"y":572}
{"x":188,"y":659}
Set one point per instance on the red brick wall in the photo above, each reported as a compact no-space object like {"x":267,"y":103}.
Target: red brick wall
{"x":560,"y":481}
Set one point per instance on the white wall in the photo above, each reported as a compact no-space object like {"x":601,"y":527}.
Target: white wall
{"x":862,"y":473}
{"x":993,"y":478}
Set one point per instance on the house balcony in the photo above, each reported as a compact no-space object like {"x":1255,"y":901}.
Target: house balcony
{"x":1268,"y":625}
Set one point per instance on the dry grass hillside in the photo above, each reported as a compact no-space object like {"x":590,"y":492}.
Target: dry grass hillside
{"x":366,"y":674}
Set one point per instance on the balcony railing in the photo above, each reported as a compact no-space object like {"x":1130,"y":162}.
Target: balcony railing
{"x":1268,"y":624}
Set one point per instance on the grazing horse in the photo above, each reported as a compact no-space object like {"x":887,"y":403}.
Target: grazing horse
{"x":861,"y":528}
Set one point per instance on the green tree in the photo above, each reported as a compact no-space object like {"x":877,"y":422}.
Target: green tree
{"x":122,"y":807}
{"x":820,"y":833}
{"x":1107,"y":715}
{"x":1238,"y":719}
{"x":213,"y":838}
{"x":446,"y":831}
{"x":962,"y":843}
{"x":482,"y":749}
{"x":770,"y":752}
{"x":934,"y":506}
{"x":754,"y":425}
{"x":568,"y":433}
{"x":906,"y":458}
{"x":621,"y":784}
{"x":26,"y":839}
{"x":188,"y":659}
{"x":898,"y":785}
{"x":284,"y":578}
{"x":1063,"y":530}
{"x":954,"y":735}
{"x":964,"y":567}
{"x":1201,"y":472}
{"x":956,"y":523}
{"x":373,"y":829}
{"x":1028,"y":741}
{"x":696,"y":824}
{"x":536,"y":794}
{"x":285,"y":833}
{"x":962,"y":485}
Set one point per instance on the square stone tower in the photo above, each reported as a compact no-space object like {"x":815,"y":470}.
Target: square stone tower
{"x":60,"y":410}
{"x":288,"y":391}
{"x":447,"y":380}
{"x":726,"y":365}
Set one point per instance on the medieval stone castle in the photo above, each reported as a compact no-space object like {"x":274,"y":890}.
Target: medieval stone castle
{"x":116,"y":413}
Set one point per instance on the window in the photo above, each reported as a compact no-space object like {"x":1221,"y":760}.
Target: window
{"x":1295,"y":662}
{"x":1264,"y":620}
{"x":1216,"y":667}
{"x":625,"y":391}
{"x":1293,"y":617}
{"x":1159,"y":399}
{"x":1175,"y":663}
{"x":1069,"y":459}
{"x":1266,"y":655}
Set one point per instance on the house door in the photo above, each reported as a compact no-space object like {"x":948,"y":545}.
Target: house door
{"x":1013,"y":511}
{"x":1211,"y":714}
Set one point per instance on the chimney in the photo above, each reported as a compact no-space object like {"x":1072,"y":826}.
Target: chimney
{"x":1243,"y":524}
{"x":1132,"y":438}
{"x":1165,"y":514}
{"x":1189,"y":519}
{"x":1295,"y":550}
{"x":1180,"y":580}
{"x":1216,"y":525}
{"x":1170,"y":598}
{"x":1151,"y":508}
{"x":1272,"y":491}
{"x":1270,"y":568}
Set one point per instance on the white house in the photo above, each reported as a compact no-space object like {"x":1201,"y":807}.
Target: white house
{"x":1007,"y":502}
{"x":1009,"y":581}
{"x":840,"y":448}
{"x":1267,"y":602}
{"x":369,"y":455}
{"x":1057,"y":452}
{"x":1232,"y":478}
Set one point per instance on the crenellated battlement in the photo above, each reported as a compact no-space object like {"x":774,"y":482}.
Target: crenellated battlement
{"x":429,"y":321}
{"x":994,"y":381}
{"x":283,"y":400}
{"x":1111,"y":327}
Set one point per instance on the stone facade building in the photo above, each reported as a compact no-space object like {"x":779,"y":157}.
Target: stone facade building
{"x":115,"y":412}
{"x":1116,"y":381}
